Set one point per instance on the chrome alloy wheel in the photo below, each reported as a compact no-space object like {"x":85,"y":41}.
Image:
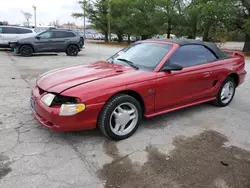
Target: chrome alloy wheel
{"x":227,"y":92}
{"x":124,"y":119}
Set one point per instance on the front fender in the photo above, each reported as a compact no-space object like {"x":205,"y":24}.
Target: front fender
{"x":101,"y":94}
{"x":26,"y":43}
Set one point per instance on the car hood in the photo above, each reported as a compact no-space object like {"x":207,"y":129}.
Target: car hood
{"x":62,"y":79}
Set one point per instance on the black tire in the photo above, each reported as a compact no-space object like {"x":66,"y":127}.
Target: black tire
{"x":72,"y":50}
{"x":218,"y":102}
{"x":109,"y":107}
{"x":81,"y":43}
{"x":26,"y":50}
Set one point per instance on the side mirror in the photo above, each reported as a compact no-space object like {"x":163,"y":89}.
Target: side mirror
{"x":38,"y":37}
{"x":172,"y":67}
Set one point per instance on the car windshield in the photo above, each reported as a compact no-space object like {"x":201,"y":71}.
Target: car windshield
{"x":141,"y":55}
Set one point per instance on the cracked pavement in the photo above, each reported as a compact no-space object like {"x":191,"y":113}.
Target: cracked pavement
{"x":201,"y":146}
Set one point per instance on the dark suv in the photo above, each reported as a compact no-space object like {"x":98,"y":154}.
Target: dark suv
{"x":53,"y":40}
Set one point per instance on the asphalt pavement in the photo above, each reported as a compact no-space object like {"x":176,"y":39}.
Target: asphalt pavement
{"x":200,"y":146}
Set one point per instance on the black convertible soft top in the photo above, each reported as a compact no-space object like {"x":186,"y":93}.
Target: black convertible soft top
{"x":182,"y":42}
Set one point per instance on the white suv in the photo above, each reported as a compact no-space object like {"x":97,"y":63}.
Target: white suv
{"x":13,"y":34}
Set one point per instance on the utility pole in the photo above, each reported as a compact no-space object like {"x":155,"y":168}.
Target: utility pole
{"x":109,"y":16}
{"x":34,"y":7}
{"x":84,"y":19}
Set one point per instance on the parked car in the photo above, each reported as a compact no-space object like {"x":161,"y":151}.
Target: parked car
{"x":114,"y":37}
{"x":115,"y":94}
{"x":98,"y":36}
{"x":53,"y":40}
{"x":13,"y":34}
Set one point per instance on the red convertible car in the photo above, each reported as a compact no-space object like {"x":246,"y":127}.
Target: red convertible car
{"x":148,"y":78}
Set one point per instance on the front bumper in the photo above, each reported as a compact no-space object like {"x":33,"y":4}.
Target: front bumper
{"x":49,"y":116}
{"x":14,"y":46}
{"x":4,"y":46}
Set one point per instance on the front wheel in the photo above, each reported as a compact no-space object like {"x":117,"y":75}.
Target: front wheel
{"x":226,"y":93}
{"x":72,"y":50}
{"x":120,"y":117}
{"x":26,"y":50}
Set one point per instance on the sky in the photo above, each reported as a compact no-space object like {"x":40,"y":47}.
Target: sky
{"x":47,"y":11}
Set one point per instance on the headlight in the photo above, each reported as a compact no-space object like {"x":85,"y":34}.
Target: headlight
{"x":69,"y":105}
{"x":48,"y":99}
{"x":71,"y":109}
{"x":60,"y":99}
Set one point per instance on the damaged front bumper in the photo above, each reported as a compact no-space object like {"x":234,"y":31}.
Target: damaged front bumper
{"x":14,"y":46}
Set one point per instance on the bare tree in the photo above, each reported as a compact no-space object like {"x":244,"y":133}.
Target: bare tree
{"x":55,"y":23}
{"x":27,"y":17}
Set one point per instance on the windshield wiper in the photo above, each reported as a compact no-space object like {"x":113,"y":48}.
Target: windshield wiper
{"x":129,"y":63}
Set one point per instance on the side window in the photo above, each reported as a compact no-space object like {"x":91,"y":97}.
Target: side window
{"x":1,"y":30}
{"x":23,"y":31}
{"x":63,"y":34}
{"x":191,"y":55}
{"x":69,"y":34}
{"x":46,"y":35}
{"x":10,"y":30}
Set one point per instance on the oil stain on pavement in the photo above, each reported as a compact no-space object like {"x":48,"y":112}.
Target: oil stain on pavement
{"x":4,"y":166}
{"x":199,"y":162}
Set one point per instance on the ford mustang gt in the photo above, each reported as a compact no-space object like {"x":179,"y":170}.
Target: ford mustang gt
{"x":146,"y":79}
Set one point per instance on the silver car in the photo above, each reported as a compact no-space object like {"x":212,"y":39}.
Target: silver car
{"x":13,"y":34}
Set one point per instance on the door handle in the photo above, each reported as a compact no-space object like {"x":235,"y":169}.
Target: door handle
{"x":207,"y":74}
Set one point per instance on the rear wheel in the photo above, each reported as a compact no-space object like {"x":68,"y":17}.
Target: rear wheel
{"x":120,"y":117}
{"x":72,"y":50}
{"x":81,"y":42}
{"x":226,"y":93}
{"x":26,"y":50}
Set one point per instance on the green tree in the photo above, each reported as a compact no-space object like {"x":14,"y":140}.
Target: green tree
{"x":208,"y":14}
{"x":140,"y":17}
{"x":169,"y":13}
{"x":190,"y":20}
{"x":210,"y":18}
{"x":97,"y":13}
{"x":121,"y":18}
{"x":242,"y":21}
{"x":216,"y":13}
{"x":135,"y":17}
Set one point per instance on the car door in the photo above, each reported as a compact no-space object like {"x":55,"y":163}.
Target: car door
{"x":61,"y":39}
{"x":44,"y":43}
{"x":193,"y":83}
